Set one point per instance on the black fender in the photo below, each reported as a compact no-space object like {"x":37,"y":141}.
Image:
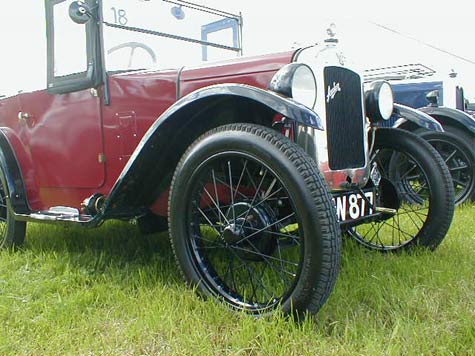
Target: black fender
{"x":405,"y":114}
{"x":280,"y":104}
{"x":149,"y":170}
{"x":448,"y":116}
{"x":12,"y":178}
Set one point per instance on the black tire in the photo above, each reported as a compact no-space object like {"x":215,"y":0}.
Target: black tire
{"x":459,"y":158}
{"x":465,"y":135}
{"x":468,"y":138}
{"x":273,"y":240}
{"x":12,"y":232}
{"x":415,"y":182}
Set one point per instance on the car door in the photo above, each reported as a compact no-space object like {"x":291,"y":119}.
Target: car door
{"x":62,"y":124}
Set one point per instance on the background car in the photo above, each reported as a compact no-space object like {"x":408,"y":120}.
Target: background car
{"x":418,"y":86}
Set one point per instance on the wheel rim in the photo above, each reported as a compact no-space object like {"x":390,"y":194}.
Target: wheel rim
{"x":3,"y":217}
{"x":460,"y":167}
{"x":245,"y":241}
{"x":413,"y":190}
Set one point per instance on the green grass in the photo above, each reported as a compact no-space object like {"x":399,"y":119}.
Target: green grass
{"x":113,"y":292}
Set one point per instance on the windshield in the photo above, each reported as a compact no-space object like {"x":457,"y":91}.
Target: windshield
{"x":144,"y":34}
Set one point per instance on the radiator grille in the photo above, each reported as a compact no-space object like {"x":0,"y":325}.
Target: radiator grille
{"x":345,"y":120}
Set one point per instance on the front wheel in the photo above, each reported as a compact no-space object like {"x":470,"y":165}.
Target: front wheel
{"x":415,"y":189}
{"x":252,"y":222}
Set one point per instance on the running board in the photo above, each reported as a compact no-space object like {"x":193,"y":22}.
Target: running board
{"x":58,"y":214}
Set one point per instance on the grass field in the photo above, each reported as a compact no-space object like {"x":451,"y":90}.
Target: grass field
{"x":113,"y":292}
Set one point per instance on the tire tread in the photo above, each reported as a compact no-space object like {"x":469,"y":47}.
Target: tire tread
{"x":331,"y":235}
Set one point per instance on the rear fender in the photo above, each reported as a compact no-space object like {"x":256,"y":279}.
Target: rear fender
{"x":149,"y":170}
{"x":17,"y":173}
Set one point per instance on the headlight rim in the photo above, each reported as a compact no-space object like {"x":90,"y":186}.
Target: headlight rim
{"x":314,"y":84}
{"x":373,"y":101}
{"x":284,"y":80}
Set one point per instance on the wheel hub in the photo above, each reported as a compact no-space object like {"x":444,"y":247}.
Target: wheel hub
{"x":247,"y":232}
{"x":233,"y":233}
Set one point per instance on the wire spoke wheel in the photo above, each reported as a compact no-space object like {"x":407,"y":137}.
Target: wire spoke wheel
{"x":412,"y":181}
{"x":252,"y":227}
{"x":245,"y":231}
{"x":3,"y":218}
{"x":12,"y":233}
{"x":410,"y":197}
{"x":460,"y":160}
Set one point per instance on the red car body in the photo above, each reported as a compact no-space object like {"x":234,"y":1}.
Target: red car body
{"x":71,"y":146}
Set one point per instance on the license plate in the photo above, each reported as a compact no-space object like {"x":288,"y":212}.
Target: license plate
{"x":353,"y":206}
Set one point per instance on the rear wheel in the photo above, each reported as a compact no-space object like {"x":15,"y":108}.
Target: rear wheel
{"x":414,"y":185}
{"x":252,"y":223}
{"x":12,"y":232}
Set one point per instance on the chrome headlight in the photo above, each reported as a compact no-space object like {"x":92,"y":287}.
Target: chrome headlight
{"x":379,"y":101}
{"x":296,"y":81}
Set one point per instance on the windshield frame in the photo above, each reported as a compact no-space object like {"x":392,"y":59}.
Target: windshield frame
{"x":228,"y":21}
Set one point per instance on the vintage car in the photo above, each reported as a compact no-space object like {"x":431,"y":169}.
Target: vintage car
{"x":418,"y":86}
{"x":259,"y":164}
